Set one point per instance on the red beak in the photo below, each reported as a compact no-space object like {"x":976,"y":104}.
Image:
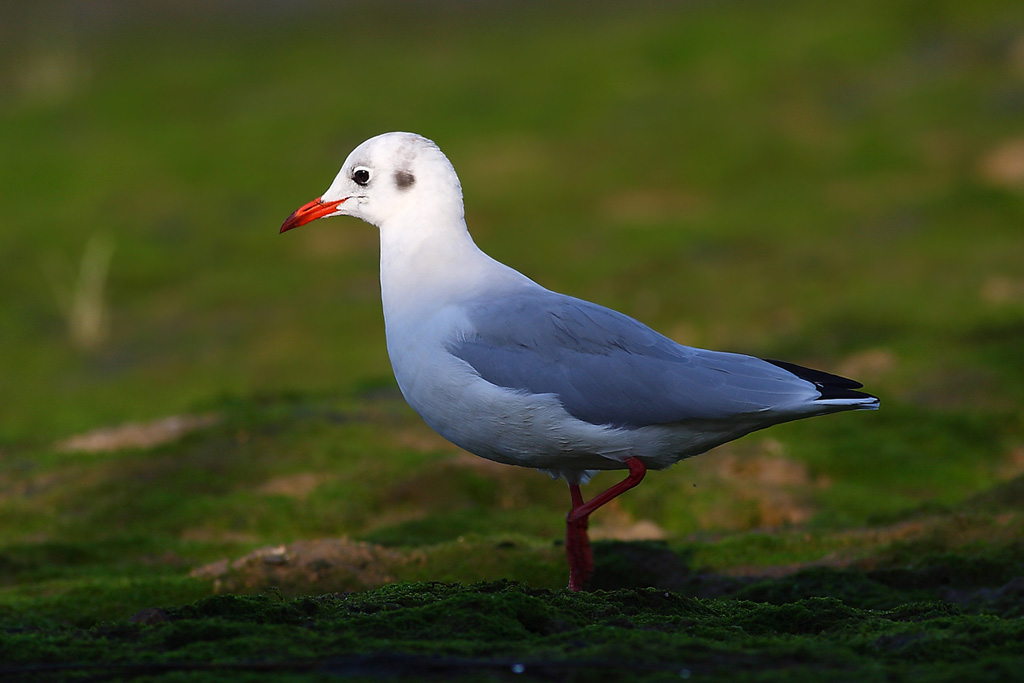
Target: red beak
{"x":317,"y":208}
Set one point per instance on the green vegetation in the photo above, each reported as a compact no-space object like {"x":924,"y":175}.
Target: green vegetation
{"x":841,"y":186}
{"x":486,"y":631}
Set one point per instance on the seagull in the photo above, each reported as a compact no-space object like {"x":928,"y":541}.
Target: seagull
{"x":518,"y":374}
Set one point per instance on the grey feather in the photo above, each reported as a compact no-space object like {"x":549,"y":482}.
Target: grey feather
{"x":607,"y":368}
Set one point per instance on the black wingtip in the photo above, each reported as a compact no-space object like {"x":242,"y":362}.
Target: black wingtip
{"x":831,"y":386}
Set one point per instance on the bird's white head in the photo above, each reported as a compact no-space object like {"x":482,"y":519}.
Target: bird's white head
{"x":389,"y":177}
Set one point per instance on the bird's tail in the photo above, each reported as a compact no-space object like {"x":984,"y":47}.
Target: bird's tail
{"x":835,"y":390}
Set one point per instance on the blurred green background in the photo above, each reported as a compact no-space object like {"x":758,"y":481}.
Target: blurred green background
{"x":839,"y":185}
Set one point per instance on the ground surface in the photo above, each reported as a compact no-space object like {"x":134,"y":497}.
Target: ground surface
{"x":206,"y":470}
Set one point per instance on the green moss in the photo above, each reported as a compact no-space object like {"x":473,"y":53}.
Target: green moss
{"x":478,"y":631}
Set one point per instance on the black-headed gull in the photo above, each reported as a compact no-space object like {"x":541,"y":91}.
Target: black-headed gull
{"x":515,"y":373}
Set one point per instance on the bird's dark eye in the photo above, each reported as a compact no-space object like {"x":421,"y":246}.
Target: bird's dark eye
{"x":361,"y":176}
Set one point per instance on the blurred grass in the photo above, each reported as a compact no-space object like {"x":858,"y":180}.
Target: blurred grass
{"x":835,"y":185}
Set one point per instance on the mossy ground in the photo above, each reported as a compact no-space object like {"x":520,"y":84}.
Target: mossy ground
{"x":933,"y":594}
{"x":837,"y":185}
{"x":504,"y":629}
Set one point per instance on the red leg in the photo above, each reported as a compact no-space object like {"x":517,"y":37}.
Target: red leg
{"x":577,"y":545}
{"x":577,"y":495}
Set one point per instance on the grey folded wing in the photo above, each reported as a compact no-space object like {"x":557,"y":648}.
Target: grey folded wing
{"x":607,"y":368}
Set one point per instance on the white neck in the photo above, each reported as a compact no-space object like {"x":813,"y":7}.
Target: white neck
{"x":425,"y":265}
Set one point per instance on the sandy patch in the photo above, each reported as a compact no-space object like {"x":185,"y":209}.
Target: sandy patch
{"x":137,"y":434}
{"x":326,"y":565}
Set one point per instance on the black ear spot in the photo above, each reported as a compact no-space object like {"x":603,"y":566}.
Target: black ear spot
{"x":404,"y":180}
